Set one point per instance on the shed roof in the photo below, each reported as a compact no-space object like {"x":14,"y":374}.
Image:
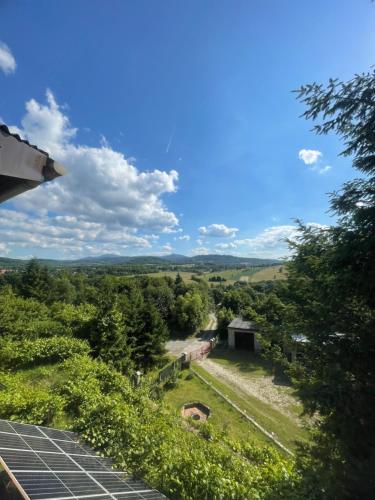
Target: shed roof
{"x":241,"y":324}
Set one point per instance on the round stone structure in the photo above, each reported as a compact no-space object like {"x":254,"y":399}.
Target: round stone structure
{"x":197,"y":411}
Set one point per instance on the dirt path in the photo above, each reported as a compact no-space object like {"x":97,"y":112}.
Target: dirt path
{"x":262,"y":388}
{"x":176,"y":347}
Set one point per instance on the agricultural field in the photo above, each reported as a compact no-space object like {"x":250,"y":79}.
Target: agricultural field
{"x":186,"y":276}
{"x":248,"y":275}
{"x":271,"y":273}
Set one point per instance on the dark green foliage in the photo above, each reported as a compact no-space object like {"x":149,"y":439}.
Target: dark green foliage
{"x":35,"y":282}
{"x":149,"y":341}
{"x":332,"y":281}
{"x":179,"y":286}
{"x":217,"y":279}
{"x":109,"y":338}
{"x":224,"y":317}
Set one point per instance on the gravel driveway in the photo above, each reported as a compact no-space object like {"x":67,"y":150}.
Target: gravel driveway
{"x":262,"y":388}
{"x":176,"y":347}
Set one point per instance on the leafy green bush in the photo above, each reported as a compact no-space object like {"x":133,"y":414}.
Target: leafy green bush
{"x":23,"y":403}
{"x":43,"y":350}
{"x":86,"y":380}
{"x":148,"y":439}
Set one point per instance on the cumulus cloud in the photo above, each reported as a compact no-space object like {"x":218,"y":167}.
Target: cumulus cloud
{"x":104,"y":200}
{"x":225,"y":246}
{"x":313,"y":158}
{"x":268,"y":243}
{"x":309,"y":156}
{"x":218,"y":231}
{"x":65,"y":234}
{"x":7,"y":60}
{"x":200,"y":251}
{"x":167,"y":248}
{"x":185,"y":237}
{"x":271,"y":241}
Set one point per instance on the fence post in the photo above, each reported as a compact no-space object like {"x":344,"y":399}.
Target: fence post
{"x":138,"y":378}
{"x":185,"y":361}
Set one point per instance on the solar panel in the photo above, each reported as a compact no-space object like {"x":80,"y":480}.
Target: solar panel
{"x":51,"y":464}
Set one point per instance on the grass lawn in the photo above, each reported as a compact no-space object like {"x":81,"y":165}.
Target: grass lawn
{"x":244,"y":361}
{"x":223,"y":416}
{"x":285,"y":428}
{"x":250,"y":365}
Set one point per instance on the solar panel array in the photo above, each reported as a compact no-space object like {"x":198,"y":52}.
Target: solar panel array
{"x":52,"y":464}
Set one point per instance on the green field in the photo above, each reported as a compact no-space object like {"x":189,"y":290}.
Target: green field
{"x":223,"y":416}
{"x":186,"y":276}
{"x":271,"y":273}
{"x":248,"y":274}
{"x":285,"y":429}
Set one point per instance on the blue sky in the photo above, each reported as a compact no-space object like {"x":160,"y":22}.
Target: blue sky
{"x":175,"y":121}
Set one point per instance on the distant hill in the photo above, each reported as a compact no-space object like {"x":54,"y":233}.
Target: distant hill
{"x":175,"y":259}
{"x":231,"y":260}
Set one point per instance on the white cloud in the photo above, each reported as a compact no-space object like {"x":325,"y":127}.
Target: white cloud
{"x":271,"y":241}
{"x":3,"y":248}
{"x":167,"y":248}
{"x":103,"y":200}
{"x":309,"y":156}
{"x":226,"y":246}
{"x":200,"y":242}
{"x":7,"y":60}
{"x":66,"y":235}
{"x":323,"y":170}
{"x":171,"y":230}
{"x":313,"y":159}
{"x":218,"y":231}
{"x":185,"y":237}
{"x":200,"y":251}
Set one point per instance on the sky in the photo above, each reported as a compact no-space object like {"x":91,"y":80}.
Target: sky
{"x":175,"y":120}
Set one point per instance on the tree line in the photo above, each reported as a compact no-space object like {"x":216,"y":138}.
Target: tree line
{"x":125,"y":320}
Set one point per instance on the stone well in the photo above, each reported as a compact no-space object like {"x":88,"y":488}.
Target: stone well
{"x":197,"y":411}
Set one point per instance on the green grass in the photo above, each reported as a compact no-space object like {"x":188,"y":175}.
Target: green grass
{"x":271,"y":273}
{"x":246,"y":362}
{"x":223,"y":416}
{"x":247,"y":274}
{"x":186,"y":276}
{"x":284,"y":428}
{"x":232,"y":275}
{"x":250,"y":365}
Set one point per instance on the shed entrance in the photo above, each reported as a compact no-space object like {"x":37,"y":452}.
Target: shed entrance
{"x":244,"y":340}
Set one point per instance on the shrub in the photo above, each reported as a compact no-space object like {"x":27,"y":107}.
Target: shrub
{"x":43,"y":350}
{"x":23,"y":403}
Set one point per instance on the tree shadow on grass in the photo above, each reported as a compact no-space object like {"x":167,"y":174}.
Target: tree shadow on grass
{"x":245,"y":361}
{"x":249,"y":363}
